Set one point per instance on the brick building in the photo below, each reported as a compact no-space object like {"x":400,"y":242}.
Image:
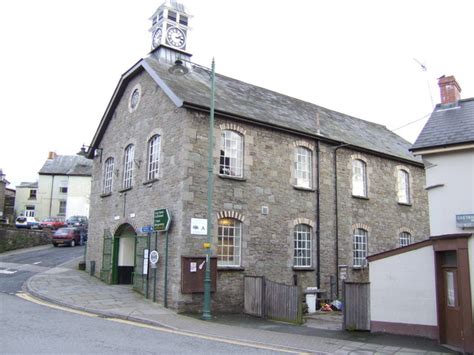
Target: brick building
{"x":300,"y":191}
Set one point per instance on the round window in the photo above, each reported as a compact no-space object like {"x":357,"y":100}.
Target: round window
{"x":134,"y":98}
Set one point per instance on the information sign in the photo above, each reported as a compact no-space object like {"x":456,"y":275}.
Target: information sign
{"x":161,"y":220}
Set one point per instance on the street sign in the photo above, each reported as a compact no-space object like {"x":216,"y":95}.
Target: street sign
{"x":199,"y":226}
{"x":145,"y":262}
{"x":146,"y":229}
{"x":154,"y":257}
{"x":161,"y":220}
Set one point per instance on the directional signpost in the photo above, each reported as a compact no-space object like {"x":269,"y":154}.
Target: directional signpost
{"x":161,"y":223}
{"x":161,"y":220}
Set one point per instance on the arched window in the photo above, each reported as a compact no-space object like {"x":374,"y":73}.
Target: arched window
{"x":359,"y":178}
{"x":153,"y":157}
{"x":302,"y":246}
{"x":108,"y":176}
{"x":359,"y":247}
{"x":403,"y":186}
{"x":303,"y":167}
{"x":229,"y":240}
{"x":405,"y":239}
{"x":232,"y":151}
{"x":128,"y":166}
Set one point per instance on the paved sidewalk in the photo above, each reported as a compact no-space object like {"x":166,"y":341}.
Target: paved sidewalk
{"x":72,"y":288}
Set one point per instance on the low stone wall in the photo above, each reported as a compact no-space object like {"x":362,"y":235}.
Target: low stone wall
{"x":13,"y":238}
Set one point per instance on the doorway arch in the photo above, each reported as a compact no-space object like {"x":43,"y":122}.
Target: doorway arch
{"x":123,"y":261}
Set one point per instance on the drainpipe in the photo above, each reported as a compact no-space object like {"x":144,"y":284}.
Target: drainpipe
{"x":51,"y":197}
{"x":336,"y":203}
{"x":318,"y":224}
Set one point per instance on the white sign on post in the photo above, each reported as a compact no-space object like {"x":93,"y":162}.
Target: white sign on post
{"x":199,"y":226}
{"x":145,"y":262}
{"x":154,"y":257}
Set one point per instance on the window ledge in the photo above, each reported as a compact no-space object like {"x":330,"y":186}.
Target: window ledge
{"x":405,"y":204}
{"x":230,"y":268}
{"x":125,"y":190}
{"x":150,"y":182}
{"x":359,"y":268}
{"x":301,"y":188}
{"x":222,"y":176}
{"x":106,"y":194}
{"x":360,"y":197}
{"x":302,"y":268}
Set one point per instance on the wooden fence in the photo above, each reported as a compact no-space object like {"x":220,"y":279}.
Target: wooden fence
{"x":268,"y":299}
{"x":356,"y":305}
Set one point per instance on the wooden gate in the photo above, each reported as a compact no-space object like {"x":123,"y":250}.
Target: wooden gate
{"x":254,"y":295}
{"x":356,"y":305}
{"x":268,"y":299}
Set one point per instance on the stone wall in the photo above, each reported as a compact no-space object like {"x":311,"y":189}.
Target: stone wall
{"x":13,"y":238}
{"x":267,"y":239}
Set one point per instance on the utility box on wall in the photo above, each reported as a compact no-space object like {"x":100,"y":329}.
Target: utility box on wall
{"x":193,"y":270}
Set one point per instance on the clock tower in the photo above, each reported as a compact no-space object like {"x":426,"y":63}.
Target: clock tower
{"x":169,"y":31}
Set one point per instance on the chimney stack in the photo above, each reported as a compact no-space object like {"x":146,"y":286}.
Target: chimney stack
{"x":450,"y":90}
{"x":52,"y":155}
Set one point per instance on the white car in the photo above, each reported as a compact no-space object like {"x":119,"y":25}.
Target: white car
{"x":26,"y":222}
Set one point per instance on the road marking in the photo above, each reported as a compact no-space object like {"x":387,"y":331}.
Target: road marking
{"x":38,"y":262}
{"x":8,"y":272}
{"x":29,"y":298}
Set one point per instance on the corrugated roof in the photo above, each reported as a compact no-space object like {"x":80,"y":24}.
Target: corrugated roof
{"x":67,"y":165}
{"x":448,"y":126}
{"x":242,"y":99}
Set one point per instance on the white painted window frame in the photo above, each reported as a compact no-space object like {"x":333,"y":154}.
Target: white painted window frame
{"x":154,"y":145}
{"x":360,"y":248}
{"x":359,"y":178}
{"x":304,"y":167}
{"x":229,"y":242}
{"x":231,"y":154}
{"x":108,"y":176}
{"x":128,"y":166}
{"x":302,"y":256}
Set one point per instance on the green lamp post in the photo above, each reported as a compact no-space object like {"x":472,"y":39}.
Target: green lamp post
{"x":180,"y":69}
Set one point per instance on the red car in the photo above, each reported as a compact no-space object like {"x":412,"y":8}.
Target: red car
{"x":52,"y":222}
{"x":68,"y":236}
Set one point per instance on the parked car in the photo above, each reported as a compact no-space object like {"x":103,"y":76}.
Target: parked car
{"x":77,"y":221}
{"x":71,"y":236}
{"x":52,"y":222}
{"x":26,"y":222}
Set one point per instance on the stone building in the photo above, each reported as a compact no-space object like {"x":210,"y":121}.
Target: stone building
{"x":300,"y":191}
{"x":7,"y":200}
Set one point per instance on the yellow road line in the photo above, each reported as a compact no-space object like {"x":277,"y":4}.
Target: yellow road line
{"x":29,"y":298}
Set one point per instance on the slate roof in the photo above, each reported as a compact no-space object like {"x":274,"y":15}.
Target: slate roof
{"x":241,"y":100}
{"x":28,"y":184}
{"x":448,"y":126}
{"x":72,"y":165}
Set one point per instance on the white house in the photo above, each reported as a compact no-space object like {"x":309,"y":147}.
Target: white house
{"x":426,"y":288}
{"x":63,"y":189}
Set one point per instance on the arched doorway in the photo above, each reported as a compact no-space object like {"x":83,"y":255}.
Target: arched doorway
{"x":123,"y":261}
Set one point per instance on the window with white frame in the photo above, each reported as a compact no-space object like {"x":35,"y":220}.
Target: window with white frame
{"x":153,"y":157}
{"x":303,"y":167}
{"x":32,"y":194}
{"x":405,"y":239}
{"x":128,"y":166}
{"x":232,"y":150}
{"x":29,"y":211}
{"x":359,"y":247}
{"x":359,"y":178}
{"x":62,"y":208}
{"x":108,"y":176}
{"x":229,"y":240}
{"x":302,"y":246}
{"x":403,"y":186}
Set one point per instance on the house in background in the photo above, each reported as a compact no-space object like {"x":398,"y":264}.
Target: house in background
{"x":300,"y":191}
{"x":64,"y":186}
{"x":62,"y":190}
{"x":7,"y":200}
{"x":26,"y":202}
{"x":437,"y":275}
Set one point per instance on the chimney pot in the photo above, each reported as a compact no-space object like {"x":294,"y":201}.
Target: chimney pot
{"x":52,"y":155}
{"x":450,"y":90}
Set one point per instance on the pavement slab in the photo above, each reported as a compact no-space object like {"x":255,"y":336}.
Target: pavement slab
{"x":70,"y":287}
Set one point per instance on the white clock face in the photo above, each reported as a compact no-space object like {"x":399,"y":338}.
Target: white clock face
{"x":176,"y":37}
{"x":156,"y":38}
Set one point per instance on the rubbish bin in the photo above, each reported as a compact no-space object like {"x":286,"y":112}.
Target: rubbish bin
{"x":311,"y":296}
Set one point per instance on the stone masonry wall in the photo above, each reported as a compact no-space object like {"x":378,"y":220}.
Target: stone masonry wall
{"x":267,"y":239}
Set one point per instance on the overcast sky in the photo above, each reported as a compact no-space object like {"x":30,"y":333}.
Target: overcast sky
{"x":61,"y":60}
